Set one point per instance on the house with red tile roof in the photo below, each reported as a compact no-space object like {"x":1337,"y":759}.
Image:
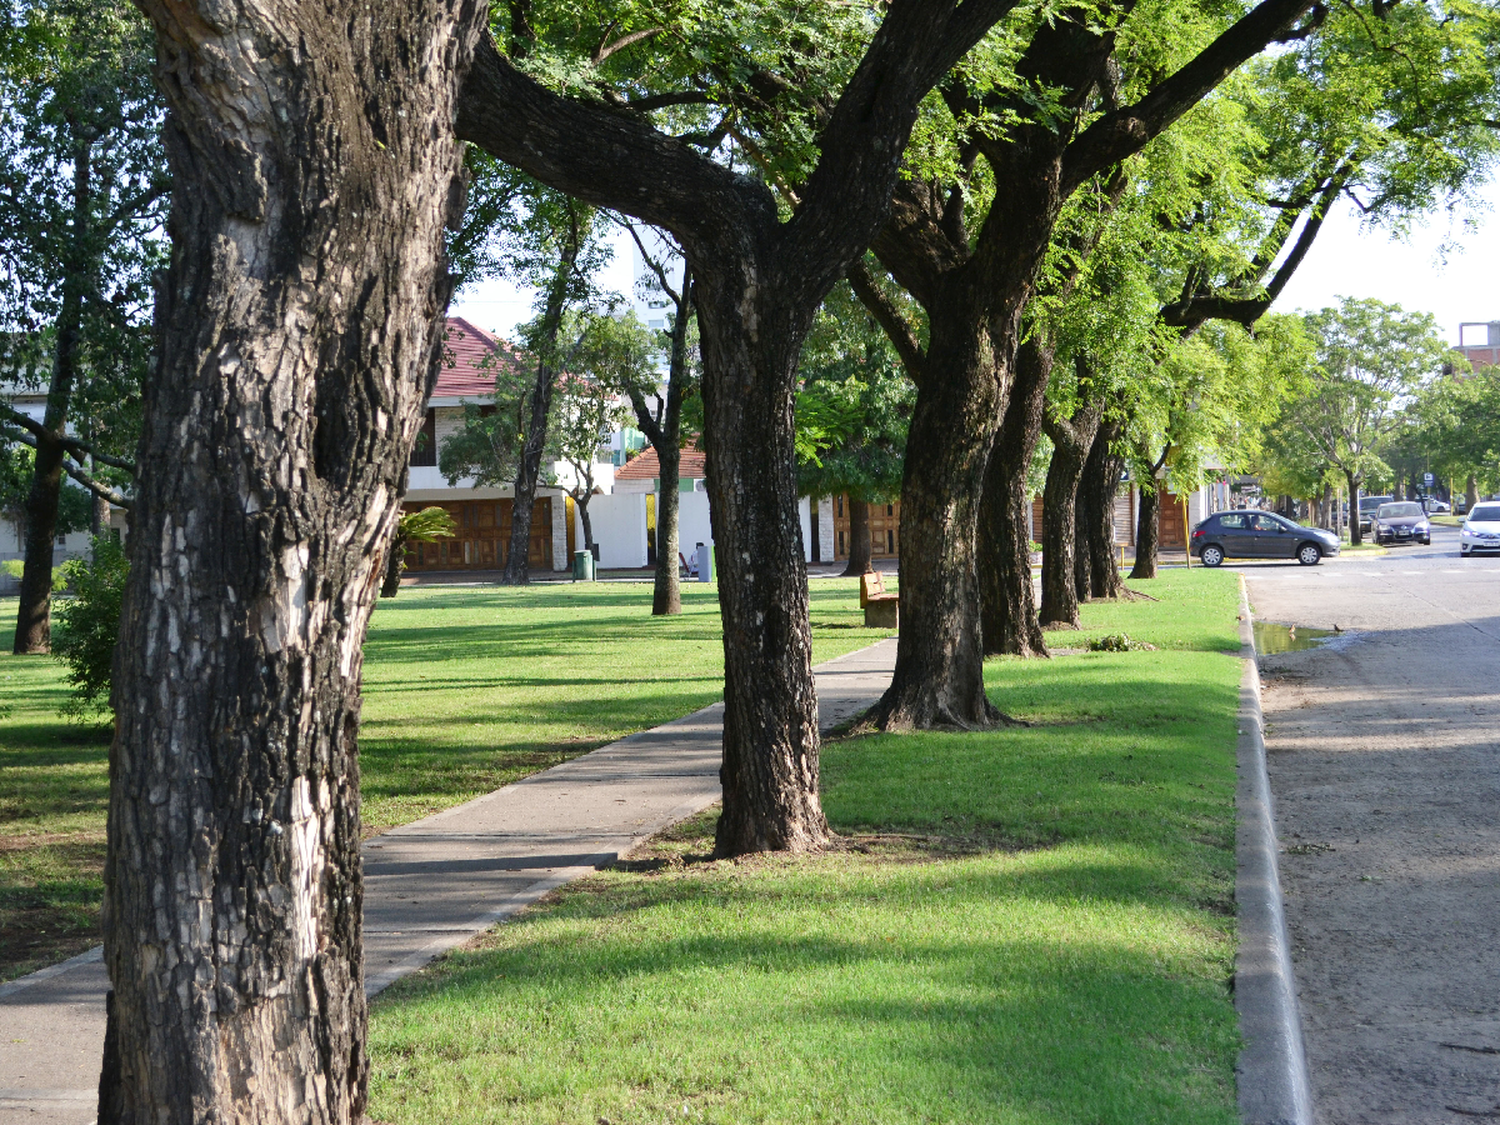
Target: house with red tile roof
{"x":472,"y":358}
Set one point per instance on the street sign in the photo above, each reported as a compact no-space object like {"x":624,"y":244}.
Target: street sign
{"x":1427,"y":479}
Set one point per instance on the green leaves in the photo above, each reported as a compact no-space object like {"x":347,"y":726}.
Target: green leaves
{"x":86,"y":626}
{"x":425,"y":526}
{"x":853,"y":407}
{"x":1371,"y":360}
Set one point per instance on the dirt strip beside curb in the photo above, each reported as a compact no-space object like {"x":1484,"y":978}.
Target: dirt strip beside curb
{"x":1272,"y":1067}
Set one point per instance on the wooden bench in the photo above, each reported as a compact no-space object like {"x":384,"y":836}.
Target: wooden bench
{"x":882,"y":608}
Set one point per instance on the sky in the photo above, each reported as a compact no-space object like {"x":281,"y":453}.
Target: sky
{"x":1347,"y":260}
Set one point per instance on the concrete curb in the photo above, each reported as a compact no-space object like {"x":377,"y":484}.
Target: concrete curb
{"x":1272,"y":1068}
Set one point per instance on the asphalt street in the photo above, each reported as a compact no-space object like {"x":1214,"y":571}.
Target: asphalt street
{"x":1384,"y":755}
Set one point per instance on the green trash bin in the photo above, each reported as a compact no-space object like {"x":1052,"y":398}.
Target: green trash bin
{"x":583,"y":566}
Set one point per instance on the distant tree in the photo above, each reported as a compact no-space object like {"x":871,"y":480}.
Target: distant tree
{"x":852,"y":412}
{"x":1455,"y":422}
{"x":1371,"y":359}
{"x":660,"y":411}
{"x":1210,"y":399}
{"x":83,"y":192}
{"x":616,"y":355}
{"x":425,"y":526}
{"x":552,"y":242}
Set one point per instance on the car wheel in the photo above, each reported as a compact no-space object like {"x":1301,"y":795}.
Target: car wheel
{"x":1212,"y":556}
{"x":1309,"y":554}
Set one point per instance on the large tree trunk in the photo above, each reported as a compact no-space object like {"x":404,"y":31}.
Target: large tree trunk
{"x":299,"y":332}
{"x":859,"y":538}
{"x":1147,"y":531}
{"x":34,"y":609}
{"x":1007,"y":593}
{"x":1471,"y":491}
{"x":939,"y":675}
{"x":770,"y":766}
{"x":1101,"y":480}
{"x":1071,"y":442}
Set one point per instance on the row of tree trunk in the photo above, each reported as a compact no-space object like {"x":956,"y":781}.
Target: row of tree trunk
{"x":299,"y":331}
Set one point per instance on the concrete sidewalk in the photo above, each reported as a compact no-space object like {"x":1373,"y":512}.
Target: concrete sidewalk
{"x":433,"y":884}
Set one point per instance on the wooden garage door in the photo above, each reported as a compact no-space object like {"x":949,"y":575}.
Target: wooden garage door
{"x":482,"y":536}
{"x":885,"y":529}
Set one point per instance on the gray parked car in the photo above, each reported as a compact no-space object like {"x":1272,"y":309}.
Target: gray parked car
{"x":1260,"y":535}
{"x":1367,"y":507}
{"x":1402,"y":521}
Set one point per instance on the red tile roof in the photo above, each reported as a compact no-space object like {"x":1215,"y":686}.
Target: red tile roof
{"x":647,"y":466}
{"x":469,"y":376}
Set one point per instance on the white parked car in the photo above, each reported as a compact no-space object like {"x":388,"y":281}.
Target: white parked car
{"x":1481,"y":530}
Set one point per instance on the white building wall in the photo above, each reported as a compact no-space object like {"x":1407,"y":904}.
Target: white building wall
{"x":692,"y":521}
{"x":619,"y":525}
{"x":825,"y":528}
{"x":73,"y":546}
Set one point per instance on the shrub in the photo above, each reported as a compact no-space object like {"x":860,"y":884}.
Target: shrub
{"x":88,"y":625}
{"x":15,"y":568}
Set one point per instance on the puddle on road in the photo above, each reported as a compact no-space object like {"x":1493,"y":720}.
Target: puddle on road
{"x":1272,"y":637}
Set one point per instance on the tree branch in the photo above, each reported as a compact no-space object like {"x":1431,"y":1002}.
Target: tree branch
{"x":605,"y":50}
{"x":896,"y":326}
{"x":98,"y":488}
{"x":661,"y":101}
{"x":1128,"y":129}
{"x":28,"y":430}
{"x":609,"y":157}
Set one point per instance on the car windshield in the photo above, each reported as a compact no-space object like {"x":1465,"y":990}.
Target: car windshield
{"x":1396,"y":511}
{"x":1370,"y":503}
{"x":1485,"y":513}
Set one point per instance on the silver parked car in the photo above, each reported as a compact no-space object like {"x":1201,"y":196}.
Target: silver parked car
{"x":1481,"y":530}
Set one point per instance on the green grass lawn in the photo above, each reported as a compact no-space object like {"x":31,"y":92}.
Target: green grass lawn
{"x":1029,"y":925}
{"x":466,"y":689}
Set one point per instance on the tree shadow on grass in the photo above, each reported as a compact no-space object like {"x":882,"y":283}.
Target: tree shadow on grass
{"x":974,"y":990}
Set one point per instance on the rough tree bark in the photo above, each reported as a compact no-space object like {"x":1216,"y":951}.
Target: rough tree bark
{"x":1147,"y":531}
{"x":34,"y":608}
{"x":859,"y":538}
{"x":760,"y":281}
{"x":299,"y":331}
{"x":939,"y":675}
{"x":1083,"y":561}
{"x":1072,"y":439}
{"x":1101,"y":480}
{"x":1471,"y":491}
{"x":1148,"y":516}
{"x":1007,"y":594}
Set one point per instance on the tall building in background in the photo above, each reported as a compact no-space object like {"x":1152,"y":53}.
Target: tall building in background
{"x":1479,"y":343}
